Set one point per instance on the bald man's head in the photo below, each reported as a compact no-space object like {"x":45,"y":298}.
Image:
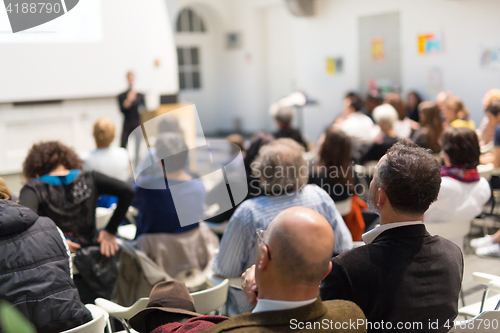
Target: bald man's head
{"x":302,"y":244}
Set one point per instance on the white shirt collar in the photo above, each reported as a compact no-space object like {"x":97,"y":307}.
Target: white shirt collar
{"x":264,"y":305}
{"x":372,"y":234}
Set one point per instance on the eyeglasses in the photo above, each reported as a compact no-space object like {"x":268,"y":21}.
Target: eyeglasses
{"x":260,"y":240}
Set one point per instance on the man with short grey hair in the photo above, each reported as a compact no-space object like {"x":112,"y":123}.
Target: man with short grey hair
{"x":283,"y":175}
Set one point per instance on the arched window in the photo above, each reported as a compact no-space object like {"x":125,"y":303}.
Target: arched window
{"x":189,"y":21}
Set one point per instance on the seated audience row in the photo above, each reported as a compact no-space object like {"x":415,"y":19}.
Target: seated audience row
{"x":397,"y":276}
{"x":293,"y":256}
{"x":283,"y":177}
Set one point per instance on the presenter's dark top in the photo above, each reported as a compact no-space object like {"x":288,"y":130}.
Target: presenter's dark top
{"x":132,"y":113}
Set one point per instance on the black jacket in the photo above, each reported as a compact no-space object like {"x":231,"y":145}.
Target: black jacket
{"x":34,"y":270}
{"x":132,"y":114}
{"x":405,"y":275}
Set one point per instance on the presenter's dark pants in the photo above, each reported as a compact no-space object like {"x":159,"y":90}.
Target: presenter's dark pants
{"x":128,"y":127}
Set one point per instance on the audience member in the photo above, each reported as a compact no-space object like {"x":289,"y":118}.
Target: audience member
{"x":283,"y":119}
{"x":257,"y":141}
{"x":238,"y":140}
{"x":283,"y":176}
{"x":154,"y":200}
{"x":441,"y":97}
{"x":403,"y":125}
{"x":111,"y":161}
{"x":385,"y":116}
{"x":57,"y":188}
{"x":168,"y":231}
{"x":487,"y":246}
{"x":293,"y":256}
{"x":493,"y":114}
{"x":463,"y":192}
{"x":131,"y":104}
{"x":36,"y":274}
{"x":486,"y":130}
{"x":354,"y":122}
{"x":335,"y":174}
{"x":402,"y":274}
{"x":372,"y":100}
{"x":414,"y":101}
{"x":334,"y":171}
{"x":431,"y":127}
{"x":168,"y":124}
{"x":456,"y":114}
{"x":171,"y":309}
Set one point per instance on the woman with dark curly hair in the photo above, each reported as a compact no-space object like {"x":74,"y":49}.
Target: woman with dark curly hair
{"x":59,"y":189}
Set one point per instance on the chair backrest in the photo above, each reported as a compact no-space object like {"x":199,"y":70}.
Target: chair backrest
{"x":345,"y":206}
{"x":122,"y":312}
{"x":488,"y":321}
{"x":486,"y":171}
{"x":96,"y":325}
{"x":102,"y":217}
{"x":454,"y":231}
{"x":211,"y":299}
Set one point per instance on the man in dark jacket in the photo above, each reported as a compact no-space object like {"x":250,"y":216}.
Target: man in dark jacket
{"x":35,"y":271}
{"x":403,"y":279}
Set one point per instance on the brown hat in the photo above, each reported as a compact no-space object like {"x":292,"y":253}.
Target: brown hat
{"x":168,"y":297}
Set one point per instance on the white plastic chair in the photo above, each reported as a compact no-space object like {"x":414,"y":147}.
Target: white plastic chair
{"x":486,"y":170}
{"x":205,"y":301}
{"x":492,"y":282}
{"x":211,"y":299}
{"x":344,"y":207}
{"x":127,"y":231}
{"x":454,"y":231}
{"x":102,"y":217}
{"x":486,"y":322}
{"x":96,"y":325}
{"x":122,"y":313}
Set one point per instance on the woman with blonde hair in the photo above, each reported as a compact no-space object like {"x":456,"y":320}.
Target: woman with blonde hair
{"x":456,"y":114}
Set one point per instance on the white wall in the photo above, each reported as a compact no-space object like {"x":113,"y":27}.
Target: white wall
{"x":70,"y":122}
{"x":240,"y":74}
{"x":465,"y":25}
{"x":87,"y":76}
{"x":248,"y":88}
{"x":135,"y":34}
